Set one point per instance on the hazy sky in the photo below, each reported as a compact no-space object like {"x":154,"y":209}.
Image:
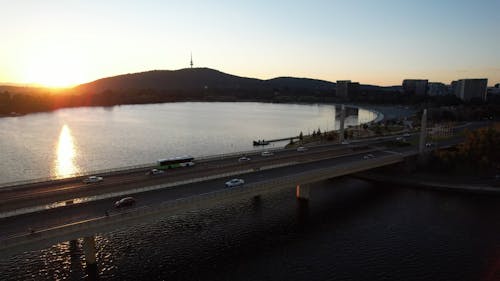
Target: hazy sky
{"x":61,"y":42}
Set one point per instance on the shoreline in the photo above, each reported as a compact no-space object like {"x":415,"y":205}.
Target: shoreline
{"x":383,"y":112}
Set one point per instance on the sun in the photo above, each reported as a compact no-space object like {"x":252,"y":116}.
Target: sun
{"x":54,"y":68}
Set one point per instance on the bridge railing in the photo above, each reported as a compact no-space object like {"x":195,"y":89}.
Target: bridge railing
{"x":76,"y":175}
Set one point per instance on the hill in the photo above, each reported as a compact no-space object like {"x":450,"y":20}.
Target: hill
{"x":192,"y":79}
{"x":190,"y":84}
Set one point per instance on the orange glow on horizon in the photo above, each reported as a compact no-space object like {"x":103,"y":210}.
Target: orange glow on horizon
{"x":53,"y":67}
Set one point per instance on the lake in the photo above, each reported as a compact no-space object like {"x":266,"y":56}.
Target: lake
{"x":81,"y":140}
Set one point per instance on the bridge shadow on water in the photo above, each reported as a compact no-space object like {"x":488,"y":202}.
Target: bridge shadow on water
{"x":214,"y":244}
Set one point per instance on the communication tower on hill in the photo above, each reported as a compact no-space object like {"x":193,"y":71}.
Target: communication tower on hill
{"x":191,"y":63}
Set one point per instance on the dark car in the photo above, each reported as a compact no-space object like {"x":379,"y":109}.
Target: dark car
{"x":124,"y":202}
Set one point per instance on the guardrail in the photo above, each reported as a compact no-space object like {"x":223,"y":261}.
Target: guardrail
{"x":104,"y":172}
{"x":76,"y":175}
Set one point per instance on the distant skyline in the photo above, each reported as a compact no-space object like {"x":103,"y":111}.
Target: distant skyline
{"x":64,"y":43}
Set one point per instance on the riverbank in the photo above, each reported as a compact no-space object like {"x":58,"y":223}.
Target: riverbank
{"x":434,"y":181}
{"x":388,"y":112}
{"x":366,"y":130}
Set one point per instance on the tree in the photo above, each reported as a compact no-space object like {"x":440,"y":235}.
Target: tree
{"x":478,"y":152}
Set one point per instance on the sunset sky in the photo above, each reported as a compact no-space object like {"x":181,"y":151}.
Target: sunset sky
{"x":67,"y":42}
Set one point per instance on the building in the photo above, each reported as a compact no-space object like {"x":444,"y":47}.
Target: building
{"x":415,"y":86}
{"x":437,"y":89}
{"x":467,"y":89}
{"x":347,"y":89}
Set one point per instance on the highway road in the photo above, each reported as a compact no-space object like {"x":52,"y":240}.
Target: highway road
{"x":45,"y":193}
{"x":78,"y":212}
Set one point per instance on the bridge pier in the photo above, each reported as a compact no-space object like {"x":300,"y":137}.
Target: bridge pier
{"x":342,"y":119}
{"x":423,"y":133}
{"x":90,"y":253}
{"x":74,"y":258}
{"x":302,"y":192}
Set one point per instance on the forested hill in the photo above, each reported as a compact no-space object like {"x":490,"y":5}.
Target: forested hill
{"x":190,"y":84}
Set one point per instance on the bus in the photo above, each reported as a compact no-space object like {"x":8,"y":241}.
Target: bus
{"x":175,"y":162}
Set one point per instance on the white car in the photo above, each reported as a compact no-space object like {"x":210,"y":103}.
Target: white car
{"x":406,"y":135}
{"x":301,"y":148}
{"x":243,"y":159}
{"x":345,"y":142}
{"x":155,"y":172}
{"x":266,"y":153}
{"x":234,"y":182}
{"x":368,"y":156}
{"x":127,"y":201}
{"x":93,"y":179}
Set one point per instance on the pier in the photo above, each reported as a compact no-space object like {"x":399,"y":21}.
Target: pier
{"x":266,"y":142}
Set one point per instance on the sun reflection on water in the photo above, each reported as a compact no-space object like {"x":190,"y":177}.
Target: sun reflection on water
{"x":65,"y":164}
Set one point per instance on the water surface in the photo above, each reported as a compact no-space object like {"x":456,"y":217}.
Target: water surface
{"x":80,"y":140}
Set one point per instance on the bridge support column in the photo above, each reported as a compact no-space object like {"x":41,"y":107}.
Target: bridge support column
{"x":423,"y":133}
{"x":89,"y":252}
{"x":302,"y":191}
{"x":74,"y":258}
{"x":342,"y":119}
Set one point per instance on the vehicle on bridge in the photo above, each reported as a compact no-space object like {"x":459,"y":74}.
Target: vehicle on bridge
{"x":301,"y":148}
{"x":154,"y":172}
{"x":124,"y":202}
{"x":266,"y":153}
{"x":176,"y":162}
{"x":368,"y":156}
{"x":93,"y":179}
{"x":243,"y":159}
{"x":235,"y":182}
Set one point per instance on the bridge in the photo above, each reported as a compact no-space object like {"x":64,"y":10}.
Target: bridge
{"x":38,"y":215}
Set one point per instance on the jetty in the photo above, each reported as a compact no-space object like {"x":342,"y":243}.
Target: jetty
{"x":266,"y":142}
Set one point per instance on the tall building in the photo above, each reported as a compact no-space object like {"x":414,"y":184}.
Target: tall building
{"x":347,"y":89}
{"x":415,"y":86}
{"x":467,"y":89}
